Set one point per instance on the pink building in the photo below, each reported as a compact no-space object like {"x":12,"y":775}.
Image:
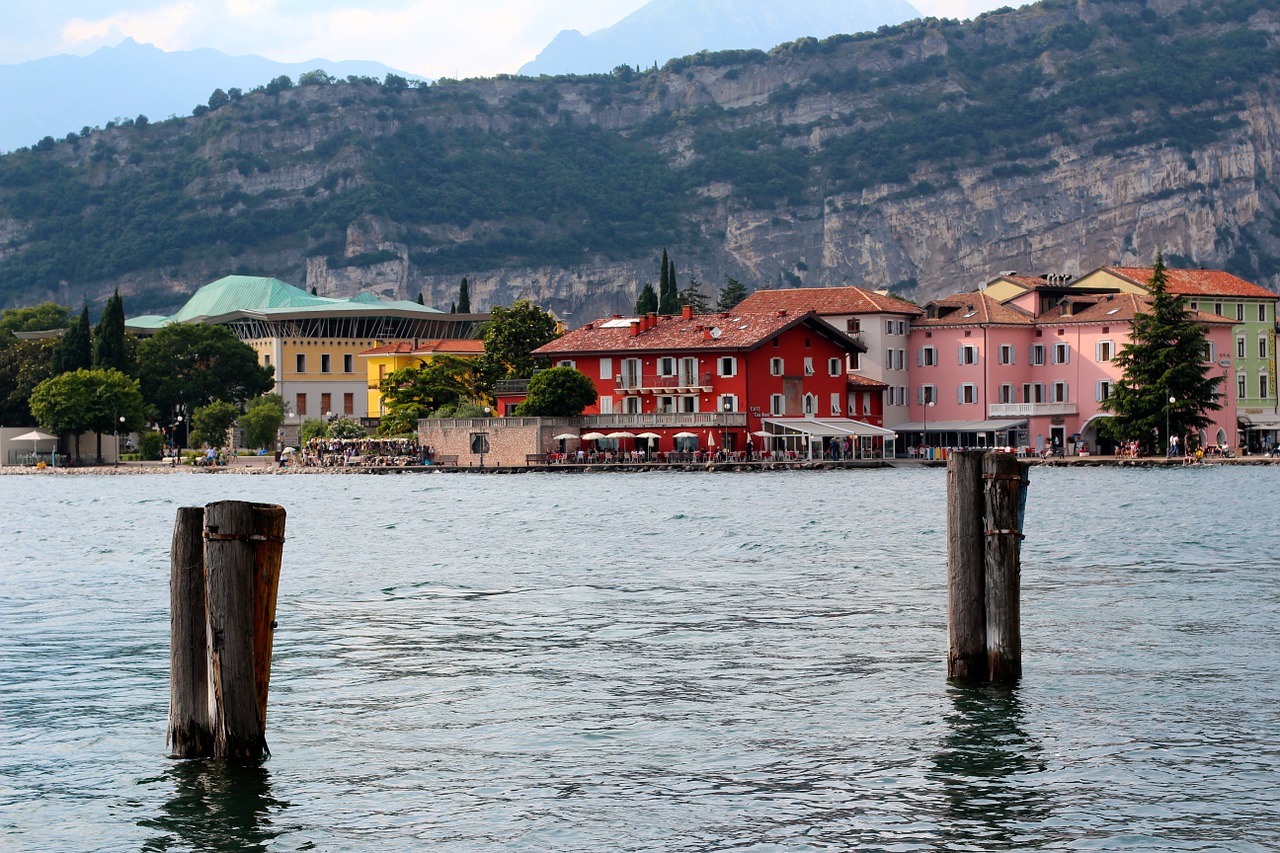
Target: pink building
{"x":1031,"y":372}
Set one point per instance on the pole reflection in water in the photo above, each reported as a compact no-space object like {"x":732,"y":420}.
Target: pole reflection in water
{"x":216,"y":805}
{"x":986,"y":766}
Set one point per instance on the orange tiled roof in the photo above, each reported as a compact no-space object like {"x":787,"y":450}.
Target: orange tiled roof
{"x":440,"y":347}
{"x":827,"y":300}
{"x":1120,"y":308}
{"x":857,"y":380}
{"x":1197,"y":282}
{"x":975,"y":309}
{"x":733,"y":330}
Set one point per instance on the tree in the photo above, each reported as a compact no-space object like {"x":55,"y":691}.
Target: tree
{"x":668,"y":298}
{"x":560,"y":392}
{"x":510,"y":338}
{"x":109,"y":348}
{"x":464,"y":298}
{"x":75,"y":350}
{"x":188,"y":365}
{"x":23,"y":366}
{"x":1164,"y":359}
{"x":318,"y":77}
{"x":209,"y":424}
{"x":219,"y":98}
{"x":261,"y":420}
{"x":38,"y":318}
{"x":312,"y":428}
{"x":412,"y":393}
{"x":647,"y":300}
{"x":421,"y":301}
{"x":89,"y":400}
{"x":732,"y":294}
{"x":347,"y":428}
{"x":694,"y":297}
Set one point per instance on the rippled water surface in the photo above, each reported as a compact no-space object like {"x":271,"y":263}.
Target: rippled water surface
{"x":655,"y":662}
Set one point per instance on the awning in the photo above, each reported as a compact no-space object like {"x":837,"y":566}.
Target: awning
{"x":1265,"y":421}
{"x":996,"y":425}
{"x":825,"y":427}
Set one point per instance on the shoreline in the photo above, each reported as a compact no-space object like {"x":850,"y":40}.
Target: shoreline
{"x":254,"y":466}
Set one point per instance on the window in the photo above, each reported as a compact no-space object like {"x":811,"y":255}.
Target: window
{"x":629,"y":377}
{"x":1217,"y":308}
{"x":1033,"y":392}
{"x":968,"y":393}
{"x":731,"y":399}
{"x":1008,"y":394}
{"x":688,"y":371}
{"x":348,"y":363}
{"x":968,"y":354}
{"x":834,"y":367}
{"x":1105,"y":351}
{"x":300,"y":404}
{"x":853,"y":325}
{"x":687,"y":404}
{"x":1008,"y":355}
{"x":479,"y":442}
{"x":1262,"y":346}
{"x":928,"y":395}
{"x":927,"y":357}
{"x":566,"y":362}
{"x":775,"y":367}
{"x":1209,"y":353}
{"x":301,"y":365}
{"x":1058,"y":393}
{"x":888,"y":327}
{"x":853,"y":361}
{"x":777,"y":404}
{"x":902,"y":327}
{"x":666,"y":367}
{"x":866,"y":402}
{"x":326,"y":363}
{"x":631,"y":405}
{"x":1239,"y":312}
{"x":1262,"y":313}
{"x":1102,"y":391}
{"x":266,"y":359}
{"x":1061,"y":353}
{"x":1242,"y":387}
{"x":835,"y":405}
{"x":326,"y":404}
{"x":811,"y":404}
{"x":728,"y":366}
{"x":606,"y":368}
{"x":348,"y":404}
{"x":808,"y":365}
{"x":1264,"y":386}
{"x":1036,"y":354}
{"x":666,"y":405}
{"x":606,"y":405}
{"x":1240,"y":347}
{"x":888,"y":359}
{"x":900,"y":361}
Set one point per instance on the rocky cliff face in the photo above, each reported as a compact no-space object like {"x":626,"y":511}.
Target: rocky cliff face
{"x":928,"y":158}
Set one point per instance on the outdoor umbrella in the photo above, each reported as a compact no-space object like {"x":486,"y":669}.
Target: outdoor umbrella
{"x":290,"y":450}
{"x":592,"y":436}
{"x":622,"y":434}
{"x":649,"y":435}
{"x":685,"y":435}
{"x":35,"y":436}
{"x":565,"y":436}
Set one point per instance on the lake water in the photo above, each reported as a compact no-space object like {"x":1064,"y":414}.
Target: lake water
{"x":655,"y":662}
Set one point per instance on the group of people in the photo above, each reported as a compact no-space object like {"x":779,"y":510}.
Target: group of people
{"x":335,"y":452}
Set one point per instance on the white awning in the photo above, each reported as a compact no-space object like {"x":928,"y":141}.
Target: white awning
{"x":996,"y":425}
{"x":825,"y":427}
{"x":1264,"y":421}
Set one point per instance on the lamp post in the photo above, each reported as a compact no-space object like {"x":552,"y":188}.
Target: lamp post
{"x":176,"y":449}
{"x":928,"y":402}
{"x":119,"y":422}
{"x":724,"y":432}
{"x":1167,"y":433}
{"x":484,"y":441}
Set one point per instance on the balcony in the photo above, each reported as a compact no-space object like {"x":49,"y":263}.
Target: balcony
{"x":511,"y":386}
{"x":1030,"y":410}
{"x":630,"y":384}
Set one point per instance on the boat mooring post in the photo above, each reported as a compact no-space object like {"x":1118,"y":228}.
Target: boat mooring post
{"x":234,"y":603}
{"x":986,"y":499}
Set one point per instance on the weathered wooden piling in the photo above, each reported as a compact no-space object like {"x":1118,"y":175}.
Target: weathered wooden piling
{"x":986,"y":495}
{"x":235,"y":605}
{"x":966,"y":607}
{"x":190,"y":720}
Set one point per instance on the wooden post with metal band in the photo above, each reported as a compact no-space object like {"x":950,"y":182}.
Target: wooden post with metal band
{"x":1005,"y":481}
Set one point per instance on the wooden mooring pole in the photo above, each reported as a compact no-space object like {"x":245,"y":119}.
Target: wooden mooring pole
{"x":986,"y":497}
{"x":224,"y":665}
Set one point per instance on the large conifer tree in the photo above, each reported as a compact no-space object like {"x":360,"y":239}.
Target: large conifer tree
{"x":733,"y":293}
{"x":1165,"y":358}
{"x":464,"y":297}
{"x":108,"y":340}
{"x":646,"y":300}
{"x":75,"y":350}
{"x":668,"y":297}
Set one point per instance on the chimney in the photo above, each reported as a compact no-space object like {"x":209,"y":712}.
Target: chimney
{"x":653,"y":319}
{"x":686,"y":312}
{"x":706,"y":334}
{"x":635,"y":328}
{"x":782,"y":312}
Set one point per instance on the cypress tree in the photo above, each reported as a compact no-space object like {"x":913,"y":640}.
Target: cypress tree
{"x":421,"y":301}
{"x":313,"y":290}
{"x":647,"y":300}
{"x":668,"y":295}
{"x":75,"y":350}
{"x":1165,"y":358}
{"x":464,"y":297}
{"x":108,"y":340}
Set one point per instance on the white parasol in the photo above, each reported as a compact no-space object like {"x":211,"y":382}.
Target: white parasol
{"x":565,"y":436}
{"x":592,"y":436}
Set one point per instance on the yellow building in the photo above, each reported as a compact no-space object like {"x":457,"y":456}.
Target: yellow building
{"x":388,"y":358}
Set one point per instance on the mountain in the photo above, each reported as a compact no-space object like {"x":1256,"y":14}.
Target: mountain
{"x":664,"y":29}
{"x":925,"y":158}
{"x":58,"y":94}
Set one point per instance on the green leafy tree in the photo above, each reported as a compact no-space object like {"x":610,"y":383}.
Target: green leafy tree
{"x":412,"y":393}
{"x":313,"y":428}
{"x":646,"y":300}
{"x":694,"y":297}
{"x":209,"y":424}
{"x":75,"y":350}
{"x":219,"y":98}
{"x":23,"y":366}
{"x":109,"y":347}
{"x":510,"y":339}
{"x":347,"y":428}
{"x":89,"y":400}
{"x":261,"y":420}
{"x":1165,"y":358}
{"x":732,"y":294}
{"x":560,"y":392}
{"x":464,"y":298}
{"x":187,"y":365}
{"x":38,"y":318}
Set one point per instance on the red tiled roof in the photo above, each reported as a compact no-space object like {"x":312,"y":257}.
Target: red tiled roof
{"x":857,"y":380}
{"x":1120,"y":308}
{"x":735,"y":330}
{"x":827,"y":300}
{"x":439,"y":347}
{"x":975,"y":309}
{"x":1197,"y":282}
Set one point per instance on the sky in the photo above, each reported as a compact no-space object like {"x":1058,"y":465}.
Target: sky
{"x":431,"y":38}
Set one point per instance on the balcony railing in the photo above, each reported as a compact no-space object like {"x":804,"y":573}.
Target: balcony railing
{"x":667,"y":419}
{"x":1029,"y":410}
{"x":657,"y":384}
{"x":511,"y":386}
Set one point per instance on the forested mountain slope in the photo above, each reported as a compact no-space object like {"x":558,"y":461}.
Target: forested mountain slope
{"x":925,"y":157}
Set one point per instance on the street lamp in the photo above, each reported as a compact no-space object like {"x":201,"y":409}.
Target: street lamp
{"x":928,"y":403}
{"x":724,"y":434}
{"x":1168,"y":450}
{"x":176,"y":425}
{"x":484,"y":441}
{"x":118,"y":441}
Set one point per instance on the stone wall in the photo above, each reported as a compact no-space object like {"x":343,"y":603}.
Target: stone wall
{"x":509,"y":440}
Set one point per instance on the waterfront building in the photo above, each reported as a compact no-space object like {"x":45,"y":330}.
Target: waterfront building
{"x":880,"y":378}
{"x":388,"y":358}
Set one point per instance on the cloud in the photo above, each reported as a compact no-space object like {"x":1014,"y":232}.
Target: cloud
{"x":166,"y":27}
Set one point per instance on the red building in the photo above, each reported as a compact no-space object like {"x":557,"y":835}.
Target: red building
{"x":786,"y":372}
